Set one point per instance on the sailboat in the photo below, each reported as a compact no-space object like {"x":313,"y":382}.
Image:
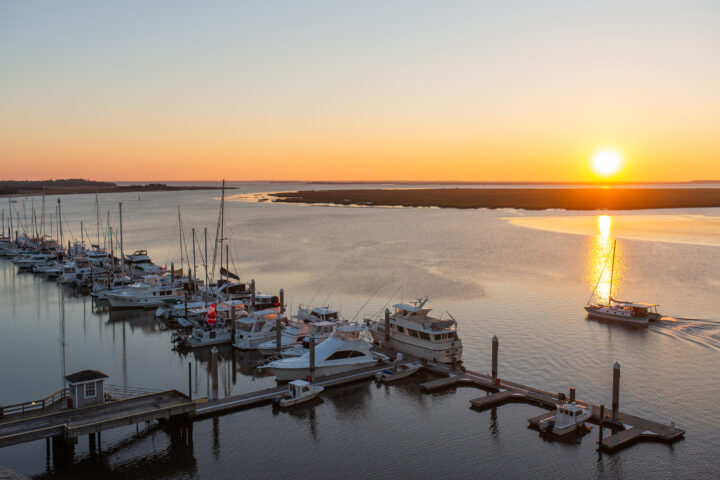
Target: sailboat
{"x":632,"y":313}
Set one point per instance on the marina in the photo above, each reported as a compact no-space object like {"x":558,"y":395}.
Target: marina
{"x":229,"y":372}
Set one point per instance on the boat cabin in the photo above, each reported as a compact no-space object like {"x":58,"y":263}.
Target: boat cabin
{"x":86,"y":388}
{"x":299,"y":388}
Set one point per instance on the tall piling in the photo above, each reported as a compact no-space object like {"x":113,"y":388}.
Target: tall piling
{"x":387,"y":328}
{"x":232,"y":322}
{"x":601,"y":425}
{"x":572,"y":394}
{"x":312,"y":356}
{"x":190,"y":381}
{"x":278,"y":332}
{"x":214,"y":365}
{"x":616,"y":390}
{"x":494,"y":357}
{"x":252,"y":295}
{"x":282,"y":300}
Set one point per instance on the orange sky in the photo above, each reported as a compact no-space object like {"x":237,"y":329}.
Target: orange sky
{"x":407,"y":91}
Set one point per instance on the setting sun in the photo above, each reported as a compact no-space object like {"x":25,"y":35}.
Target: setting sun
{"x":606,"y":162}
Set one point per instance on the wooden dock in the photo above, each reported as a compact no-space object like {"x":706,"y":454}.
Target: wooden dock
{"x":224,"y":405}
{"x":71,"y":423}
{"x":629,"y":428}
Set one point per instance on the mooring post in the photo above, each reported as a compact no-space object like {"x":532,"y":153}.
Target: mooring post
{"x":232,"y":322}
{"x":190,"y":381}
{"x":387,"y":328}
{"x":172,"y":273}
{"x":572,"y":394}
{"x":186,"y":306}
{"x":252,"y":295}
{"x":282,"y":301}
{"x":91,"y":442}
{"x":214,"y":360}
{"x":601,"y":425}
{"x":494,"y":357}
{"x":312,"y":356}
{"x":278,"y":331}
{"x":616,"y":390}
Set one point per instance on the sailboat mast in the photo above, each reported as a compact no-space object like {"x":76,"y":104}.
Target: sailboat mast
{"x":10,"y":216}
{"x":194,"y":270}
{"x":222,"y":226}
{"x":206,"y":261}
{"x":60,"y":222}
{"x":122,"y":251}
{"x":612,"y":271}
{"x":42,"y":220}
{"x":180,"y":238}
{"x":97,"y":218}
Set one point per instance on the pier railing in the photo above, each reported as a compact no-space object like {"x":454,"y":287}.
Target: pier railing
{"x":34,"y":405}
{"x":120,"y":392}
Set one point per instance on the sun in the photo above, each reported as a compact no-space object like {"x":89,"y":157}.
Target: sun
{"x":606,"y":162}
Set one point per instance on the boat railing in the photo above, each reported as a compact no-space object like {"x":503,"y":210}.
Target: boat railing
{"x":35,"y":405}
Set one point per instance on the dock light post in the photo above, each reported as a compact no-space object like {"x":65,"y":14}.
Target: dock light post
{"x":494,"y":356}
{"x":616,"y":390}
{"x":387,"y":328}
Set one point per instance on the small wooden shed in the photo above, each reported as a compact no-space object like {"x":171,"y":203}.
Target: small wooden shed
{"x":86,"y":388}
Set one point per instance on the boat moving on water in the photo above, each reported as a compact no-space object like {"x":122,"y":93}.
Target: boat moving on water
{"x":631,"y":313}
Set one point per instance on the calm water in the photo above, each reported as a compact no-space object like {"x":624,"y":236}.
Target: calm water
{"x":525,"y":285}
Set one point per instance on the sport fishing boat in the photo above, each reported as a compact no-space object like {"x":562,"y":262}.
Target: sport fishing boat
{"x":631,"y":313}
{"x":414,"y":332}
{"x":568,"y":418}
{"x":257,"y":327}
{"x":152,"y":292}
{"x":343,"y":351}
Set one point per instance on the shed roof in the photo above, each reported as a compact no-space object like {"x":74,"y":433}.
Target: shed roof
{"x":85,"y":376}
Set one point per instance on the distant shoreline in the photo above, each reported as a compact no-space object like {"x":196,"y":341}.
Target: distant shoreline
{"x":524,"y":198}
{"x":30,"y":188}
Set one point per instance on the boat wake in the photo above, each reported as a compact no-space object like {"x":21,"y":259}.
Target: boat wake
{"x":703,"y":332}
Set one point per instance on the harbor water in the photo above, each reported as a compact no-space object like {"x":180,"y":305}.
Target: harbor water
{"x":522,"y":276}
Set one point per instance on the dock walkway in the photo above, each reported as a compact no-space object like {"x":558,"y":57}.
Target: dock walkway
{"x":71,"y":423}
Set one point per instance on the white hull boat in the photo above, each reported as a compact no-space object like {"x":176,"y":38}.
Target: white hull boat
{"x":398,"y":372}
{"x":299,"y":391}
{"x":569,"y":417}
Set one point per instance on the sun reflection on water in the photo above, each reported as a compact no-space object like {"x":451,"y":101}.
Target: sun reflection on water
{"x":600,"y":261}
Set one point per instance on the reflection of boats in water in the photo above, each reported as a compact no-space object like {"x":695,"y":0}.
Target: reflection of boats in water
{"x":618,"y":310}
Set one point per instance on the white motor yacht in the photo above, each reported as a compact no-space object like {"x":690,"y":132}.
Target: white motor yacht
{"x":152,"y":292}
{"x":414,"y":332}
{"x":343,"y":351}
{"x":293,"y":338}
{"x":257,"y":327}
{"x":139,"y":264}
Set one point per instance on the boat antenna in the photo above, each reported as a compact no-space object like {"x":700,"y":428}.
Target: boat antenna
{"x":366,"y":302}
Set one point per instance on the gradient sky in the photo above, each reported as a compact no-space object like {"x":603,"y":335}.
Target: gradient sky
{"x":361,"y":90}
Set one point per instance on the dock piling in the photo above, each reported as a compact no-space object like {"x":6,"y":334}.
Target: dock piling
{"x":494,"y":356}
{"x":278,"y":332}
{"x":572,"y":394}
{"x":214,"y":366}
{"x":616,"y":390}
{"x":232,"y":322}
{"x":252,"y":295}
{"x":387,"y":328}
{"x":190,"y":381}
{"x":601,"y":425}
{"x":282,"y":300}
{"x":312,"y":356}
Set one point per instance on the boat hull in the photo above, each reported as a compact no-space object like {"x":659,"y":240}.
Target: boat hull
{"x":283,"y":374}
{"x":441,"y":354}
{"x":596,"y":314}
